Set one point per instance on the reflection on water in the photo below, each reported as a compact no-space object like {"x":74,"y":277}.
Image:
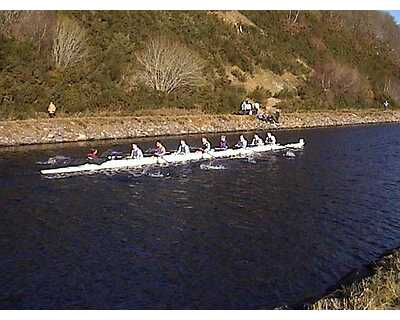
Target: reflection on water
{"x":255,"y":232}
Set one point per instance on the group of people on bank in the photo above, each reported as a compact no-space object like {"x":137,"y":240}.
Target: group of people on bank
{"x":184,"y":148}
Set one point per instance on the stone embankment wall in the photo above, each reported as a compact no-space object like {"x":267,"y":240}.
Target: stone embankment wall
{"x":39,"y":131}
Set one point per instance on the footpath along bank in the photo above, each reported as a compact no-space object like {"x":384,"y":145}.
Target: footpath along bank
{"x":56,"y":130}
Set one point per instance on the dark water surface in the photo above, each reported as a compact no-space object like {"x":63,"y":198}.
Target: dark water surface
{"x":241,"y":233}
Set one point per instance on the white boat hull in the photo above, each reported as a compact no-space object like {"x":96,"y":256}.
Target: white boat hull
{"x":173,"y":158}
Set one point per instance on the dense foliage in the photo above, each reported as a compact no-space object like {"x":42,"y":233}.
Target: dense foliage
{"x":343,"y":59}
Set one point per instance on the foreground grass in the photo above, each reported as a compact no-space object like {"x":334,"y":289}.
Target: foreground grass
{"x":379,"y":291}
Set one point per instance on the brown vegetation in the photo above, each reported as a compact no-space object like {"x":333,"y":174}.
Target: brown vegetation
{"x":69,"y":46}
{"x":167,"y":66}
{"x":340,"y":78}
{"x":354,"y":55}
{"x":379,"y":291}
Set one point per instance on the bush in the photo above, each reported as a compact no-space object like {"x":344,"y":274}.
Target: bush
{"x":239,"y":74}
{"x":260,"y":94}
{"x":224,"y":100}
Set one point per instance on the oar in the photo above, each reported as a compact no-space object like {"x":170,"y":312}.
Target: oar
{"x":162,"y":157}
{"x":220,"y":149}
{"x":165,"y":154}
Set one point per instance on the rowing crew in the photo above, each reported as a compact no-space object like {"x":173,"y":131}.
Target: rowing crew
{"x":184,"y":148}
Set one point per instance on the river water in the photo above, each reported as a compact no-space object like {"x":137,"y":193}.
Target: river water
{"x":247,"y":233}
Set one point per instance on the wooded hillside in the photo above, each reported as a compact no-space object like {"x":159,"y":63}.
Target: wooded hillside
{"x":89,"y":61}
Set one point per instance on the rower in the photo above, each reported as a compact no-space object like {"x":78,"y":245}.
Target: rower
{"x":206,"y":145}
{"x":257,"y":141}
{"x":242,"y":143}
{"x":160,"y":149}
{"x":270,"y":139}
{"x":136,"y":152}
{"x":93,"y":154}
{"x":183,"y":148}
{"x":223,"y":144}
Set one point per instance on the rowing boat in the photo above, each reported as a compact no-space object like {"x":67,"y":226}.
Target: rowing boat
{"x":173,"y":158}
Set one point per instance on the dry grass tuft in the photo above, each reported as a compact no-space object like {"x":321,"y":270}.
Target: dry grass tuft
{"x":379,"y":291}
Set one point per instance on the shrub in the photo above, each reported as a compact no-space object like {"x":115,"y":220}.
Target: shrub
{"x":239,"y":74}
{"x":167,"y":66}
{"x":260,"y":94}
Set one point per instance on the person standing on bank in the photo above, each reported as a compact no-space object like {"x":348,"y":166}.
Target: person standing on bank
{"x":386,"y":105}
{"x":51,"y":110}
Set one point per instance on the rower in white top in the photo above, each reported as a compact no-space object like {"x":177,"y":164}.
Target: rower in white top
{"x":270,"y":139}
{"x":206,"y":145}
{"x":136,"y":152}
{"x":242,"y":143}
{"x":183,"y":148}
{"x":257,"y":141}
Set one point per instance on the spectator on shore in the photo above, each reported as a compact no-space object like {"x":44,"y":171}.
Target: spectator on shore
{"x":51,"y":110}
{"x":386,"y":105}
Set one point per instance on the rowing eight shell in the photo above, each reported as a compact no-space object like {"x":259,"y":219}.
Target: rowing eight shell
{"x":172,"y":158}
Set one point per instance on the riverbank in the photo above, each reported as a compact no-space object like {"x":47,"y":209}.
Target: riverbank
{"x":381,"y":290}
{"x":57,"y":130}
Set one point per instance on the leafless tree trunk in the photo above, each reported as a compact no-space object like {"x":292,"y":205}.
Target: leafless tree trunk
{"x":69,"y":45}
{"x":167,"y":66}
{"x":292,"y":19}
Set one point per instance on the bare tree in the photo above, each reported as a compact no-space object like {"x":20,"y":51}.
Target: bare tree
{"x":167,"y":66}
{"x":7,"y":18}
{"x":292,"y":18}
{"x":340,"y":78}
{"x":37,"y":26}
{"x":69,"y":45}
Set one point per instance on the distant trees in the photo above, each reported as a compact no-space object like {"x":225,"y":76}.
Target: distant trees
{"x":341,"y":80}
{"x":37,"y":26}
{"x":61,"y":38}
{"x":7,"y":18}
{"x":69,"y":44}
{"x":167,"y":66}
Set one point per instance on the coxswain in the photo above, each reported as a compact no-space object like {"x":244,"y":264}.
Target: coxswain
{"x":270,"y":139}
{"x":93,"y":154}
{"x":257,"y":141}
{"x":160,"y":149}
{"x":183,"y":148}
{"x":223,"y":144}
{"x":206,"y":145}
{"x":242,"y":143}
{"x":136,"y":152}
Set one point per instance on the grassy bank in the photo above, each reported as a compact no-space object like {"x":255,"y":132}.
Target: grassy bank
{"x":381,"y":290}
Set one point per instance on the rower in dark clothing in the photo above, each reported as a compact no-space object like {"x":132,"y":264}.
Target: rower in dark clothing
{"x":223,"y":144}
{"x":160,"y":149}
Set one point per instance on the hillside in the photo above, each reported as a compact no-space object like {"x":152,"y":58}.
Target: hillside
{"x":93,"y":62}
